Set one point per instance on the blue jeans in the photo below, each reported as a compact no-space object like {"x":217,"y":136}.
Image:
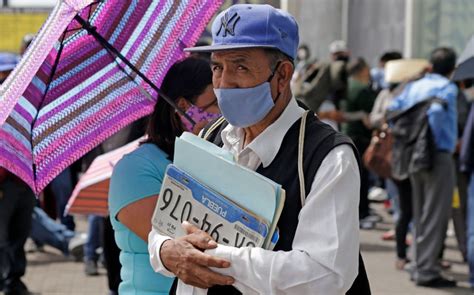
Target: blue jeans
{"x":45,"y":231}
{"x":62,"y":188}
{"x":470,"y":229}
{"x":93,"y":237}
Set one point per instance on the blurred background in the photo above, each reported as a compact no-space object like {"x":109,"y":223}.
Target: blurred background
{"x":369,"y":27}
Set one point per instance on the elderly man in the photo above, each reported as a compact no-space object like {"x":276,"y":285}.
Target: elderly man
{"x":252,"y":62}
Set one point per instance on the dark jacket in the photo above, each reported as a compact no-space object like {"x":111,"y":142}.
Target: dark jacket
{"x":467,"y":148}
{"x":413,"y":143}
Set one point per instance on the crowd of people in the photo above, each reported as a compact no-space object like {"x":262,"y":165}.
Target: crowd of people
{"x":426,"y":115}
{"x":306,"y":123}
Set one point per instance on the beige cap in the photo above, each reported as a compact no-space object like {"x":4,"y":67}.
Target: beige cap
{"x":400,"y":70}
{"x":338,"y":46}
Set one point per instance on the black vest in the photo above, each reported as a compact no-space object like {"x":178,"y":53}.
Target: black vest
{"x":320,"y":139}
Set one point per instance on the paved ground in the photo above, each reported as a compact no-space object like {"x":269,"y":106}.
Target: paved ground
{"x":384,"y":279}
{"x":50,"y":273}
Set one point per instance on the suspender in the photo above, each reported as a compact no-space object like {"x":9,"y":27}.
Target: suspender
{"x":205,"y":135}
{"x":300,"y":158}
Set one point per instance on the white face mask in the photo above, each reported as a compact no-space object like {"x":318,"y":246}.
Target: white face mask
{"x":469,"y":93}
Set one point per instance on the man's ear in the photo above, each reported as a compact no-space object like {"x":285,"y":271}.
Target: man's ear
{"x":285,"y":72}
{"x":183,"y":104}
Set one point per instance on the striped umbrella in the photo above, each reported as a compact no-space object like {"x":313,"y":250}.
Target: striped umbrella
{"x":90,"y":196}
{"x":93,"y":68}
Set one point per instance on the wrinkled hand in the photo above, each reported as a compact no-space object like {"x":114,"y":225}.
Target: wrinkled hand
{"x":184,"y":257}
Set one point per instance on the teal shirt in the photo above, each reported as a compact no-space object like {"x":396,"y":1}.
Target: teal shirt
{"x":138,"y":175}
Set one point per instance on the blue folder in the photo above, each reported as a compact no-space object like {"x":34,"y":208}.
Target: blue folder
{"x":217,"y":169}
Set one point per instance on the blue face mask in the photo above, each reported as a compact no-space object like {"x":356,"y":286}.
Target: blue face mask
{"x":243,"y":107}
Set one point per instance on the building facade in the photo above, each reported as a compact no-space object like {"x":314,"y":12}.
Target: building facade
{"x":371,"y":27}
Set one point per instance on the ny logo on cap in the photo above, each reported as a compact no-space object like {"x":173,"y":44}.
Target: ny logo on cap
{"x":228,"y":24}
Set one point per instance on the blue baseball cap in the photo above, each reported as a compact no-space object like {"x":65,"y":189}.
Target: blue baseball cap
{"x":253,"y":26}
{"x":8,"y":61}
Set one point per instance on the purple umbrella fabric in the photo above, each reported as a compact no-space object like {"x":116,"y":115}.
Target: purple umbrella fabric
{"x":71,"y":91}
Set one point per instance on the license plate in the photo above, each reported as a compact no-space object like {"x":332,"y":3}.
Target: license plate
{"x":183,"y":198}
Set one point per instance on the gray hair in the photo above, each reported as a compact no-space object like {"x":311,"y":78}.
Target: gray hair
{"x":275,"y":56}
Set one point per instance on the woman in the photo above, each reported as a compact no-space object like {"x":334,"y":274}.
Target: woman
{"x":136,"y":180}
{"x":403,"y":198}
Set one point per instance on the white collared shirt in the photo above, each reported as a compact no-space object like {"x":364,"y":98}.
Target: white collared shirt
{"x":324,"y":259}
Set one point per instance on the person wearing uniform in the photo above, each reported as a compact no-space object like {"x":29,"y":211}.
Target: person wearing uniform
{"x":253,"y":50}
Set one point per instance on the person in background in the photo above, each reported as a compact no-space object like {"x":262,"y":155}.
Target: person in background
{"x":340,"y":57}
{"x":25,"y":43}
{"x":357,"y":106}
{"x":397,"y":71}
{"x":62,"y":187}
{"x":93,"y":243}
{"x":46,"y":231}
{"x":17,"y":201}
{"x":303,"y":60}
{"x":111,"y":257}
{"x":397,"y":74}
{"x":136,"y":179}
{"x":378,"y":73}
{"x":433,"y":189}
{"x":339,"y":51}
{"x":460,"y":203}
{"x":466,"y":159}
{"x":8,"y":62}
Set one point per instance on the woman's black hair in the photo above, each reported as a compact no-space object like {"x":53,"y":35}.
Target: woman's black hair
{"x":187,"y":78}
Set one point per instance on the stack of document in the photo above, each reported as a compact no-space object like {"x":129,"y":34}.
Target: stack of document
{"x":206,"y":187}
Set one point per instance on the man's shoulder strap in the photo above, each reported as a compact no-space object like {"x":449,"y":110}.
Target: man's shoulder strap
{"x":212,"y":131}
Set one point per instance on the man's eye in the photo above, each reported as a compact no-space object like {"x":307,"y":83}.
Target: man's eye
{"x":241,"y":68}
{"x":216,"y":68}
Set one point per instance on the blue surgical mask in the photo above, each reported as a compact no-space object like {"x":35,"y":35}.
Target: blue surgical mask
{"x":243,"y":107}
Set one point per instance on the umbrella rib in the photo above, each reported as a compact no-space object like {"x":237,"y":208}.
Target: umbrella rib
{"x":142,"y":90}
{"x":92,"y":30}
{"x":123,"y":68}
{"x":48,"y":84}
